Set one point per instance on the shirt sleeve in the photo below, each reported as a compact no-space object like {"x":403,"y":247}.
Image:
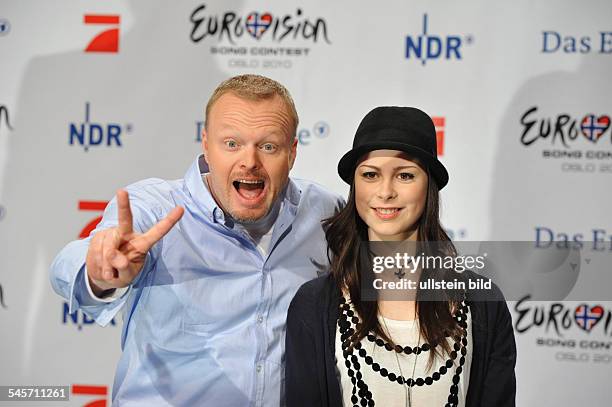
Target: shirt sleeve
{"x":68,"y":274}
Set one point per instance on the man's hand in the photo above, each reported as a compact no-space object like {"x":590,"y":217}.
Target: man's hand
{"x":116,"y":255}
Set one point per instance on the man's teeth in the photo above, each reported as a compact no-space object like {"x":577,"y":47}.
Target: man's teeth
{"x":387,"y":211}
{"x":250,"y":181}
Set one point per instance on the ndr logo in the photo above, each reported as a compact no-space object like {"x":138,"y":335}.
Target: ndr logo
{"x":89,"y":134}
{"x":426,"y":46}
{"x":78,"y":318}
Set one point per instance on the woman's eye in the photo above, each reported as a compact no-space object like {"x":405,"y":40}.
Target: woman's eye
{"x":369,"y":175}
{"x":406,"y":176}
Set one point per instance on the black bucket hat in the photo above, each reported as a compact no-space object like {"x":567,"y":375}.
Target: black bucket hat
{"x":405,"y":129}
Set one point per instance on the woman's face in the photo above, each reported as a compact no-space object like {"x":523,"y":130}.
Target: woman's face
{"x":390,"y":195}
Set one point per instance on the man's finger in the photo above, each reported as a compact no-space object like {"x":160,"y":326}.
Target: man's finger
{"x":119,"y":262}
{"x":160,"y":229}
{"x":124,"y":212}
{"x":109,"y":251}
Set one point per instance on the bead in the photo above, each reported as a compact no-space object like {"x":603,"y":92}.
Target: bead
{"x":383,"y":372}
{"x":362,"y":352}
{"x":354,"y":399}
{"x":410,"y":382}
{"x":375,"y":367}
{"x":370,"y":402}
{"x":361,"y":392}
{"x":371,"y":338}
{"x":355,"y":320}
{"x":399,"y":349}
{"x":425,"y":347}
{"x":357,"y":365}
{"x":388,"y":347}
{"x":417,"y":351}
{"x":400,"y":380}
{"x":464,"y":341}
{"x":419,"y":381}
{"x":456,"y":346}
{"x":463,"y":351}
{"x":453,"y":355}
{"x":428,"y":381}
{"x":354,"y":359}
{"x":459,"y":370}
{"x":455,"y":379}
{"x":454,"y":389}
{"x":350,"y":313}
{"x":449,"y":364}
{"x":380,"y":342}
{"x":347,"y":363}
{"x":392,"y":377}
{"x":368,"y":360}
{"x":358,"y":376}
{"x":442,"y":370}
{"x":351,"y":373}
{"x":358,"y":345}
{"x":462,"y":360}
{"x":435,"y":376}
{"x":364,"y":402}
{"x":407,"y":350}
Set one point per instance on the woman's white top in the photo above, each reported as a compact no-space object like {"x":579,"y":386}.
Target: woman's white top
{"x":391,"y":394}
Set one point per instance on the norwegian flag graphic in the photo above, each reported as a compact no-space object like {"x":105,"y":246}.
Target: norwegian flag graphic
{"x":587,"y":317}
{"x":594,"y":127}
{"x":257,"y":24}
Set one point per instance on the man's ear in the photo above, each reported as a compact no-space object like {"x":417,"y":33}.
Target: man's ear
{"x":205,"y":143}
{"x":293,"y":152}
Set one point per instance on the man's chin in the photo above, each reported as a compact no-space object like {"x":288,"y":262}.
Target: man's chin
{"x":249,"y":215}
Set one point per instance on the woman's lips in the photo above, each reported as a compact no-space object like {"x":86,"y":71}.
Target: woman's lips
{"x":387,"y":213}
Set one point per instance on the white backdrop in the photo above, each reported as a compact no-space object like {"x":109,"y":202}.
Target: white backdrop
{"x":134,"y":100}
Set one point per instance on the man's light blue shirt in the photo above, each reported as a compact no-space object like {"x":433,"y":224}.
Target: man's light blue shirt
{"x":204,"y":322}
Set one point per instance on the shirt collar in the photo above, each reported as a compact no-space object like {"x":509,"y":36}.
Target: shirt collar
{"x":207,"y":204}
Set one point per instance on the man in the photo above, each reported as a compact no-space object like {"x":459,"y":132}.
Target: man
{"x":204,"y":268}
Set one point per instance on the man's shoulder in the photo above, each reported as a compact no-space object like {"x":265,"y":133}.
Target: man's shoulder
{"x":314,"y":193}
{"x":155,"y":192}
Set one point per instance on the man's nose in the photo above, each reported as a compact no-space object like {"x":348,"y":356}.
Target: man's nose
{"x":250,"y":158}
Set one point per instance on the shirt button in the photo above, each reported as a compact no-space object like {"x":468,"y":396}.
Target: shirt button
{"x":259,"y":319}
{"x":258,"y":368}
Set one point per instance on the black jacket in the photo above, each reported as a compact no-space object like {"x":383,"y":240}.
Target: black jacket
{"x":310,"y":349}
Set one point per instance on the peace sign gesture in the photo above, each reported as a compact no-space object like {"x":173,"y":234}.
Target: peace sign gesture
{"x":116,"y":255}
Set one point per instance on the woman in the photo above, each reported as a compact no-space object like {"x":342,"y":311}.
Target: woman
{"x":343,"y":349}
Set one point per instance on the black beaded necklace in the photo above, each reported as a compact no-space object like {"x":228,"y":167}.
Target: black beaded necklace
{"x":361,"y":395}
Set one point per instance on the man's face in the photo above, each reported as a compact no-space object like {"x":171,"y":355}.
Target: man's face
{"x":250,"y":148}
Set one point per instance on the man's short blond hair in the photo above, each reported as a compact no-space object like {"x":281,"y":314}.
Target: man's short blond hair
{"x":254,"y":87}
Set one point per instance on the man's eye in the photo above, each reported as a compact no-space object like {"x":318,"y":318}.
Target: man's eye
{"x":268,"y":147}
{"x":231,"y":143}
{"x":406,"y":176}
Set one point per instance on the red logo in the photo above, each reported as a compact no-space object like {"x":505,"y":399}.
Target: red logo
{"x":86,"y":390}
{"x":108,"y":40}
{"x":439,"y":123}
{"x":91,"y":206}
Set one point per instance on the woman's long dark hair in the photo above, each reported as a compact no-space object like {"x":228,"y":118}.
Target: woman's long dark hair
{"x":347,"y":236}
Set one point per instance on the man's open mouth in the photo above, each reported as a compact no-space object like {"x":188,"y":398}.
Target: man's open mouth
{"x":249,"y":189}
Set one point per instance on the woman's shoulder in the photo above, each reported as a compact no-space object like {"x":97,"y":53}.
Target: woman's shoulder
{"x":314,"y":290}
{"x":311,"y":300}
